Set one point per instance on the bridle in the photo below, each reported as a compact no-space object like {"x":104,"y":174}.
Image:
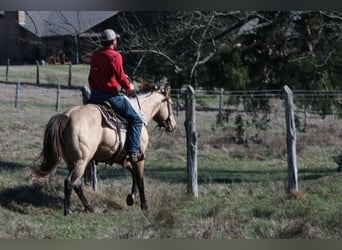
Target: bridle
{"x":167,"y":122}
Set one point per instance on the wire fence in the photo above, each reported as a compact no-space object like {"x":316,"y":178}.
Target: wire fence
{"x":241,"y":134}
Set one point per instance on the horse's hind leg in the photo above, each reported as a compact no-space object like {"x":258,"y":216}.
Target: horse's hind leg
{"x":67,"y":194}
{"x":79,"y":191}
{"x":73,"y":182}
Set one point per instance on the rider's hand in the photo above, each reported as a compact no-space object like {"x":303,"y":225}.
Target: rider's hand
{"x":131,"y":91}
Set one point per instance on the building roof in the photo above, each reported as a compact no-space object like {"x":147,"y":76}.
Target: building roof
{"x":63,"y":23}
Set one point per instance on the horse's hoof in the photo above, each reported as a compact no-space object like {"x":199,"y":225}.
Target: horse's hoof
{"x":129,"y":200}
{"x":89,"y":209}
{"x":144,"y":207}
{"x":67,"y":212}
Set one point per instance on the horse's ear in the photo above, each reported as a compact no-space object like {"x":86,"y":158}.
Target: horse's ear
{"x":144,"y":84}
{"x":167,"y":90}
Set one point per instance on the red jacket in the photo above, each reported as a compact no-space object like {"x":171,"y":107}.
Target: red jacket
{"x":106,"y":71}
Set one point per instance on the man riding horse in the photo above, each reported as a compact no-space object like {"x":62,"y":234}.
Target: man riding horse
{"x":105,"y":76}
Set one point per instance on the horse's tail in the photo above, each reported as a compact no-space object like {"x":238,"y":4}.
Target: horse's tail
{"x":52,"y":150}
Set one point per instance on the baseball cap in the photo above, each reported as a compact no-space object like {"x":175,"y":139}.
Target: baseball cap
{"x":108,"y":35}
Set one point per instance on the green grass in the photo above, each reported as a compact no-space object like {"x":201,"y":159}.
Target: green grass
{"x":221,"y":211}
{"x":49,"y":74}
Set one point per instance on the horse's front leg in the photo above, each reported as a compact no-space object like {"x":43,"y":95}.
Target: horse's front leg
{"x":130,"y":198}
{"x":137,"y":171}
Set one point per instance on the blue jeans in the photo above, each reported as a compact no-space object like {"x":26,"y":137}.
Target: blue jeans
{"x":123,"y":108}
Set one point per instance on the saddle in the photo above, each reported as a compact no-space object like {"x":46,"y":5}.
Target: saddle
{"x":109,"y":116}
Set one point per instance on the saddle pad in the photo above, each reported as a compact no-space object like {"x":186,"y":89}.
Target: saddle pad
{"x":110,"y":118}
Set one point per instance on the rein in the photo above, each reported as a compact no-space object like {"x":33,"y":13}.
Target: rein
{"x":136,"y":97}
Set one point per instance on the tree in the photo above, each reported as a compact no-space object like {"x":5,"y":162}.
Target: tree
{"x":178,"y":42}
{"x":295,"y":48}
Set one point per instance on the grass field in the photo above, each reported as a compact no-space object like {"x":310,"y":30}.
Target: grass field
{"x":48,"y":74}
{"x":242,"y":188}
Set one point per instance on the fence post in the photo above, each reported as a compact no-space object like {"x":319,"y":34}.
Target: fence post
{"x":221,"y":103}
{"x":191,"y":138}
{"x":178,"y":105}
{"x":37,"y":76}
{"x":70,"y":74}
{"x":305,"y":114}
{"x":17,"y":95}
{"x":290,"y":140}
{"x":7,"y":67}
{"x":58,"y":97}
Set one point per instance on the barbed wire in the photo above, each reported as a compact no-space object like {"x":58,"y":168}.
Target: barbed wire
{"x":31,"y":94}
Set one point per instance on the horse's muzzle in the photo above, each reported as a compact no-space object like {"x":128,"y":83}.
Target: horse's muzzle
{"x":170,"y":127}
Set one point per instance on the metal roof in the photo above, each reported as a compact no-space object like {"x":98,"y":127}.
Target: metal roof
{"x":63,"y":23}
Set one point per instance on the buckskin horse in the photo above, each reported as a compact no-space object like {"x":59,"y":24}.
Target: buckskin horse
{"x":79,"y":136}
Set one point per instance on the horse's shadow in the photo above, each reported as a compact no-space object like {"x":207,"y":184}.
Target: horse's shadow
{"x":25,"y":198}
{"x":17,"y":198}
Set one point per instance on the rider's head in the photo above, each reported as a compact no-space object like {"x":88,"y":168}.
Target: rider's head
{"x":108,"y":38}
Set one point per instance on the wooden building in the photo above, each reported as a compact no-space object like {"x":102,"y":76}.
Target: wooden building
{"x":50,"y":36}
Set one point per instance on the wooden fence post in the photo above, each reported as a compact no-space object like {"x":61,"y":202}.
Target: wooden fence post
{"x":221,"y":103}
{"x":178,"y":105}
{"x":37,"y":76}
{"x":70,"y":74}
{"x":17,"y":95}
{"x":191,"y":137}
{"x":58,"y":97}
{"x":290,"y":140}
{"x":7,"y":68}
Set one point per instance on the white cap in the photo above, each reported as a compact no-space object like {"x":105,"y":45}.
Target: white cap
{"x":108,"y":35}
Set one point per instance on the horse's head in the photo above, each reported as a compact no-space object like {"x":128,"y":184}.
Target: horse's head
{"x":164,"y":117}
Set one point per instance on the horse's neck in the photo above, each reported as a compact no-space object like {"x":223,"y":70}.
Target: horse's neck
{"x":149,"y":104}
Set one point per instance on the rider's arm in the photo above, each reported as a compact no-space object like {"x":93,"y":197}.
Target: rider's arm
{"x":120,"y":74}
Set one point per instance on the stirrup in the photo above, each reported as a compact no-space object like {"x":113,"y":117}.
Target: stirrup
{"x":136,"y":156}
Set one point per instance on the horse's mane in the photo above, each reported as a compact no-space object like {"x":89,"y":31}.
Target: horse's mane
{"x":147,"y":87}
